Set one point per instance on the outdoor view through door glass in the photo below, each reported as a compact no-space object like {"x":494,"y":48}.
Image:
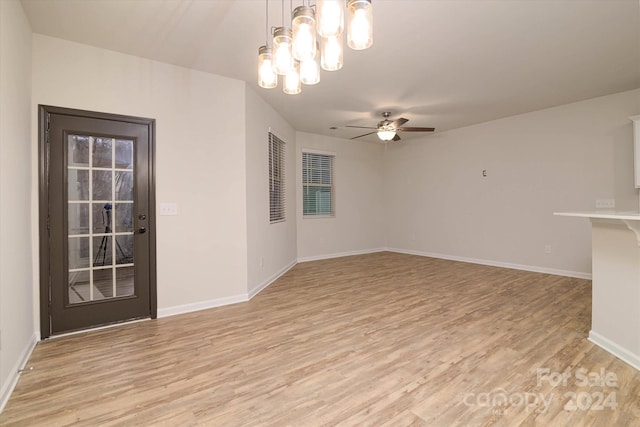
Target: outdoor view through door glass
{"x":100,"y":218}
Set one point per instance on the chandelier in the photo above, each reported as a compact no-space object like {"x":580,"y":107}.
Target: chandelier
{"x":314,"y":40}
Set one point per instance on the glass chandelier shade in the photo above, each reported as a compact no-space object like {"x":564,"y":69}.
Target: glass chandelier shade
{"x":282,"y":56}
{"x":267,"y":78}
{"x":330,"y":17}
{"x":310,"y":70}
{"x":359,"y":24}
{"x":292,"y":83}
{"x":304,"y":33}
{"x":332,"y":52}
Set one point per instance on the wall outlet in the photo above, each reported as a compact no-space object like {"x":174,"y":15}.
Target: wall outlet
{"x":168,"y":209}
{"x":547,"y":249}
{"x":261,"y":262}
{"x":605,"y":204}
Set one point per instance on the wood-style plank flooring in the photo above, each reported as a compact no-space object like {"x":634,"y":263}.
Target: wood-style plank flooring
{"x":382,"y":339}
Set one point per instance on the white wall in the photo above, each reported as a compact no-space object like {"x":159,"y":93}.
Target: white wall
{"x":358,"y":223}
{"x":426,"y":195}
{"x":200,"y":120}
{"x":557,"y":159}
{"x":271,"y":248}
{"x":16,"y":176}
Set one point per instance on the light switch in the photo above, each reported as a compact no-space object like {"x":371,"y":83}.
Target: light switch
{"x":605,"y":204}
{"x":168,"y":209}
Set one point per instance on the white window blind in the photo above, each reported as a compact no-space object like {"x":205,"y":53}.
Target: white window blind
{"x":276,"y":179}
{"x":317,"y":184}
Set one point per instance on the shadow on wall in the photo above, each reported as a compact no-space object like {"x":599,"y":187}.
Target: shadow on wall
{"x":625,"y":193}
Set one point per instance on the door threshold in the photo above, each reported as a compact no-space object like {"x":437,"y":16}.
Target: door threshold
{"x":97,"y":328}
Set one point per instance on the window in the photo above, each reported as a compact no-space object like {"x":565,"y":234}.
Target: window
{"x":276,"y":179}
{"x":317,"y":184}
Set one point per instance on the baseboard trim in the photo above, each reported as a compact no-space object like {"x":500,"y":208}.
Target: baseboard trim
{"x":12,"y":380}
{"x":615,"y":349}
{"x":201,"y":305}
{"x":255,"y":291}
{"x":234,"y":299}
{"x":219,"y":302}
{"x":340,"y":254}
{"x":534,"y":269}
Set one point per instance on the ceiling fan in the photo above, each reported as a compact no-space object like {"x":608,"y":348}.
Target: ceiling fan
{"x":387,"y":130}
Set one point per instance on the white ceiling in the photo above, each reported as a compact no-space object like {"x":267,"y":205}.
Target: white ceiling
{"x":441,"y":63}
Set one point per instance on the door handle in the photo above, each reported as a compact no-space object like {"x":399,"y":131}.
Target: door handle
{"x":142,"y":230}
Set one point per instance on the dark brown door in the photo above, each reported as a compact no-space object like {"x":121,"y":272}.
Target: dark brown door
{"x":97,"y":219}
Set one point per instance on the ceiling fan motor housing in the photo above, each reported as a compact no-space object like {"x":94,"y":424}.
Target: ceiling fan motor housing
{"x":385,"y":124}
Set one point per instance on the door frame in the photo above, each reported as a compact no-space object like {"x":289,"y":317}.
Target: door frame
{"x":44,"y":112}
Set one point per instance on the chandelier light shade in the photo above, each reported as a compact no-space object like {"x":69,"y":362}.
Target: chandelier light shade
{"x":304,"y":33}
{"x":310,"y":70}
{"x":330,"y":17}
{"x":282,"y":55}
{"x":292,"y":83}
{"x":359,"y":24}
{"x":332,"y":52}
{"x":386,"y":134}
{"x":267,"y":77}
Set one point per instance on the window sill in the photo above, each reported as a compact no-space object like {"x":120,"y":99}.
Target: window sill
{"x":318,"y":216}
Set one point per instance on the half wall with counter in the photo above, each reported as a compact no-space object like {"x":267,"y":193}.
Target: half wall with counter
{"x":615,"y":314}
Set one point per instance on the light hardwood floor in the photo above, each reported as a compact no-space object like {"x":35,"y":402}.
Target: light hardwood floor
{"x":379,"y":339}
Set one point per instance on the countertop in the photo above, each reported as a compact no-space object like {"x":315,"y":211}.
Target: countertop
{"x":603,"y":214}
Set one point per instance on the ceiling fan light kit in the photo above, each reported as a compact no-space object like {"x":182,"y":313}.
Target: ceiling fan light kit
{"x":387,"y":130}
{"x":316,"y":41}
{"x":386,"y":134}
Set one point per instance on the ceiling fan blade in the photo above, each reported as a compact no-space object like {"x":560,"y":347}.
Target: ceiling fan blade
{"x":361,"y":127}
{"x":396,"y":138}
{"x":366,"y":134}
{"x":399,"y":122}
{"x":413,"y":129}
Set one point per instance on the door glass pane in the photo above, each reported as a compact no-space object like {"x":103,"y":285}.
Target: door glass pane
{"x":124,"y":185}
{"x":78,"y":252}
{"x":78,"y":184}
{"x":78,"y":150}
{"x":124,"y":154}
{"x":124,"y":281}
{"x":78,"y":218}
{"x":102,"y":185}
{"x":99,"y":173}
{"x":102,"y":152}
{"x":123,"y":217}
{"x":79,"y":284}
{"x":102,"y":251}
{"x":124,"y":249}
{"x":102,"y":220}
{"x":102,"y":283}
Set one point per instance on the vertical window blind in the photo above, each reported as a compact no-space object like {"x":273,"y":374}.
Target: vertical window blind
{"x":276,"y":179}
{"x":317,"y":184}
